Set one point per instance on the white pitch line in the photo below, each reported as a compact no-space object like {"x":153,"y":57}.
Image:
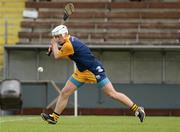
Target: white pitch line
{"x":24,"y":119}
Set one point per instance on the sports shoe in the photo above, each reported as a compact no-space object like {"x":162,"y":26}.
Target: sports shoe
{"x":49,"y":118}
{"x":140,"y":113}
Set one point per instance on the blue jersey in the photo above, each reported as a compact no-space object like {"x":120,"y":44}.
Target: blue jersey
{"x":83,"y":57}
{"x":77,"y":51}
{"x":85,"y":61}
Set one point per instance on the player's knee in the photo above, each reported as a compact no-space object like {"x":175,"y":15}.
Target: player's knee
{"x":112,"y":94}
{"x":65,"y":94}
{"x":67,"y":91}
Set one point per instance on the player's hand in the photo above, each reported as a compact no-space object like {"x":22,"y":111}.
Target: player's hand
{"x":50,"y":48}
{"x":53,"y":42}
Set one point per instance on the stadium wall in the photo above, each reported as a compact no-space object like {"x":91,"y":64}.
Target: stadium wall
{"x":150,"y":77}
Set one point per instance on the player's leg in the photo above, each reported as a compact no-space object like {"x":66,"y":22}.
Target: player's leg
{"x":109,"y":90}
{"x":69,"y":88}
{"x":64,"y":96}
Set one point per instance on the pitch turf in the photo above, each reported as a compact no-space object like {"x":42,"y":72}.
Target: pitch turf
{"x":90,"y":124}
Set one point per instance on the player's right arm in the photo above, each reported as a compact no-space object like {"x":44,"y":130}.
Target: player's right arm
{"x":64,"y":52}
{"x":54,"y":48}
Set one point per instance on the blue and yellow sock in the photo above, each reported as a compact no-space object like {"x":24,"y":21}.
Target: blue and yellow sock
{"x":134,"y":108}
{"x":55,"y":116}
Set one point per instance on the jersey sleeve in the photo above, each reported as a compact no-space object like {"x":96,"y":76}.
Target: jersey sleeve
{"x":66,"y":50}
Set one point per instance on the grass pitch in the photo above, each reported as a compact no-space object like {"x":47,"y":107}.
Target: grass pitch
{"x":90,"y":124}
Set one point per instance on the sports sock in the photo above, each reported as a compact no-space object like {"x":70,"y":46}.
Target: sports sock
{"x":134,"y":108}
{"x":55,"y":116}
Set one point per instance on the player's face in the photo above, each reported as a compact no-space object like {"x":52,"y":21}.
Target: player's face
{"x":59,"y":39}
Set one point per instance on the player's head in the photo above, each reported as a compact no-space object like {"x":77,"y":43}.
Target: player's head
{"x":60,"y":32}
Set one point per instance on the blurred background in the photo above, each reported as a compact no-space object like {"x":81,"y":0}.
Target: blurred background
{"x":138,"y":42}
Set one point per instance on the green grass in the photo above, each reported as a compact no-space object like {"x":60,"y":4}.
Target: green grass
{"x":90,"y":124}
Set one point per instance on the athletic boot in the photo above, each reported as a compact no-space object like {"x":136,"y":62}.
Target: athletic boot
{"x":49,"y":118}
{"x":140,"y":113}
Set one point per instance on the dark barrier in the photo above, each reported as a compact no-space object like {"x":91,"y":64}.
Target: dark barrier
{"x":10,"y":95}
